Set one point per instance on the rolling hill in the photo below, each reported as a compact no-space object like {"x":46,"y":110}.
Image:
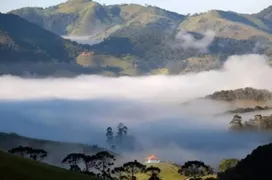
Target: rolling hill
{"x":86,"y":17}
{"x":18,"y":168}
{"x":32,"y":50}
{"x":139,"y":40}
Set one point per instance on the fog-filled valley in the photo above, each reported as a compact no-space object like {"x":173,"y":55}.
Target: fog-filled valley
{"x":135,"y":92}
{"x":167,"y":115}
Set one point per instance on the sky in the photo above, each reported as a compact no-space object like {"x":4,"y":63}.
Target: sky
{"x":180,"y":6}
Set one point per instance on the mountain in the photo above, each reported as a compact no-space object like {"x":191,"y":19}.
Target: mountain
{"x":265,"y":14}
{"x":86,"y":17}
{"x":18,"y":168}
{"x":34,"y":42}
{"x":229,"y":24}
{"x":31,"y":49}
{"x":31,"y":44}
{"x":140,"y":40}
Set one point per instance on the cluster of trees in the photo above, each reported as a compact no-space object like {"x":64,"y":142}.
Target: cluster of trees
{"x":247,"y":110}
{"x":242,"y":94}
{"x":35,"y":154}
{"x":259,"y":122}
{"x":101,"y":165}
{"x":120,"y":139}
{"x":195,"y":169}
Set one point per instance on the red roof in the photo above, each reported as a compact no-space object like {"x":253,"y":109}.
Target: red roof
{"x":152,"y":157}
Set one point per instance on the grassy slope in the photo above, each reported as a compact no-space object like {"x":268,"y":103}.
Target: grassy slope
{"x":35,"y":41}
{"x":168,"y":172}
{"x":8,"y":141}
{"x":91,"y":18}
{"x":17,"y":168}
{"x":227,"y":25}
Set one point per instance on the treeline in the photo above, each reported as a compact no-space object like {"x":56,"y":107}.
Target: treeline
{"x":35,"y":154}
{"x":241,"y":94}
{"x":259,"y":122}
{"x":246,"y":110}
{"x":103,"y":166}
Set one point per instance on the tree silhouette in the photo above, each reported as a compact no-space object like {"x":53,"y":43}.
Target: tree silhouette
{"x":236,"y":123}
{"x":195,"y":169}
{"x":120,"y":173}
{"x":226,"y":164}
{"x":110,"y":137}
{"x":121,"y":133}
{"x":35,"y":154}
{"x":73,"y":159}
{"x":103,"y":161}
{"x":89,"y":162}
{"x":153,"y":172}
{"x":22,"y":151}
{"x":256,"y":165}
{"x":133,"y":168}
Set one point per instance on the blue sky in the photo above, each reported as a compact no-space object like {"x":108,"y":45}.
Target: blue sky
{"x":180,"y":6}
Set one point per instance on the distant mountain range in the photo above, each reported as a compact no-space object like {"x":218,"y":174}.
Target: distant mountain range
{"x":135,"y":39}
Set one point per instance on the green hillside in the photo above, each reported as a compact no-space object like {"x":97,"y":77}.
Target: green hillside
{"x":11,"y":140}
{"x":18,"y":168}
{"x":228,"y":25}
{"x":56,"y":150}
{"x":168,"y":171}
{"x":32,"y":43}
{"x":33,"y":50}
{"x":86,"y":17}
{"x":139,"y":40}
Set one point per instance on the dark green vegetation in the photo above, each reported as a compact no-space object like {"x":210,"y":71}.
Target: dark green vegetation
{"x":255,"y":166}
{"x":226,"y":164}
{"x":18,"y":168}
{"x":142,"y":39}
{"x":195,"y":169}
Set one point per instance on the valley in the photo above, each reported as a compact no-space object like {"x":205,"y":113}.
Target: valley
{"x":127,"y":91}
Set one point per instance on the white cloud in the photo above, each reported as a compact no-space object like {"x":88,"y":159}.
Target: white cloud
{"x":187,"y":40}
{"x":237,"y":72}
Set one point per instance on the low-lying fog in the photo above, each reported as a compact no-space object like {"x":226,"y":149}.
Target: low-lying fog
{"x":80,"y":109}
{"x":83,"y":39}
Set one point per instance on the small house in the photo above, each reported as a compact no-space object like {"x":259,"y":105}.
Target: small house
{"x":152,"y":159}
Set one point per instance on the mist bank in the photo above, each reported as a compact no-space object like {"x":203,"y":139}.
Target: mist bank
{"x":237,"y":72}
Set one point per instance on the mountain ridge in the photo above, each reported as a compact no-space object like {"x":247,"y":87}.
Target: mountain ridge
{"x":140,"y":40}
